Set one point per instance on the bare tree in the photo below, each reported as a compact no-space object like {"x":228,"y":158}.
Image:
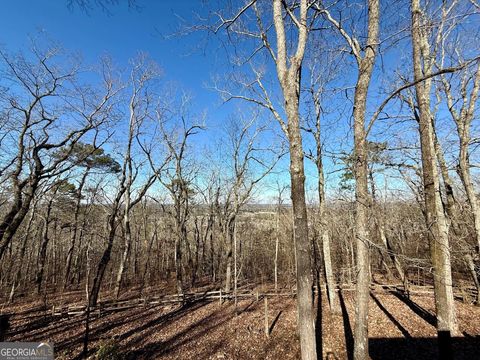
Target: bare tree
{"x":142,"y":72}
{"x":47,"y":96}
{"x":365,"y":59}
{"x":287,"y":58}
{"x":178,"y":181}
{"x":248,"y":165}
{"x":316,"y":89}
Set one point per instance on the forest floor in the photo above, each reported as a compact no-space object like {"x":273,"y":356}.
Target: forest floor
{"x":399,"y":328}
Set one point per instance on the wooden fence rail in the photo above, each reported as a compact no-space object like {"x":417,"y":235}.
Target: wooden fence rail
{"x":464,"y":293}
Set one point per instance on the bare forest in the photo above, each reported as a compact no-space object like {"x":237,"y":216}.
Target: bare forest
{"x":325,"y":205}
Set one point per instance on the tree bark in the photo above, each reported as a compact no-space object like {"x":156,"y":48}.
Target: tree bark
{"x":435,"y":217}
{"x":362,"y":198}
{"x":289,"y":79}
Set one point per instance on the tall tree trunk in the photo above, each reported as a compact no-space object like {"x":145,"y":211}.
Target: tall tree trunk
{"x":306,"y":320}
{"x":436,"y":222}
{"x":362,"y":235}
{"x":289,"y":74}
{"x":362,"y":198}
{"x":325,"y":235}
{"x":277,"y":243}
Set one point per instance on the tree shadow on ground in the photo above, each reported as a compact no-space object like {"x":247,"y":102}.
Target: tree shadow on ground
{"x":274,"y":322}
{"x":464,"y":348}
{"x":417,"y":309}
{"x":191,"y":334}
{"x":347,"y":327}
{"x":158,"y":323}
{"x":318,"y":323}
{"x":390,"y":316}
{"x":137,"y":333}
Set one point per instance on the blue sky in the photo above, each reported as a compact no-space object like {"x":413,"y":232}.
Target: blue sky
{"x":121,"y":34}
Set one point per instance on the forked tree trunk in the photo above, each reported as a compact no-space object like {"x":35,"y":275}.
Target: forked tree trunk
{"x":288,"y":73}
{"x":463,"y":120}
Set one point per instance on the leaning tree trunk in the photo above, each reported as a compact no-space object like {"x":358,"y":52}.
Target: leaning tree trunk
{"x":435,"y":217}
{"x":102,"y":265}
{"x":21,"y":257}
{"x":473,"y":273}
{"x":14,"y":218}
{"x":126,"y":226}
{"x":277,"y":245}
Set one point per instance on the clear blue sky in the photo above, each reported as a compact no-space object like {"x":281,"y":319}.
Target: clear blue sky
{"x":120,"y":34}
